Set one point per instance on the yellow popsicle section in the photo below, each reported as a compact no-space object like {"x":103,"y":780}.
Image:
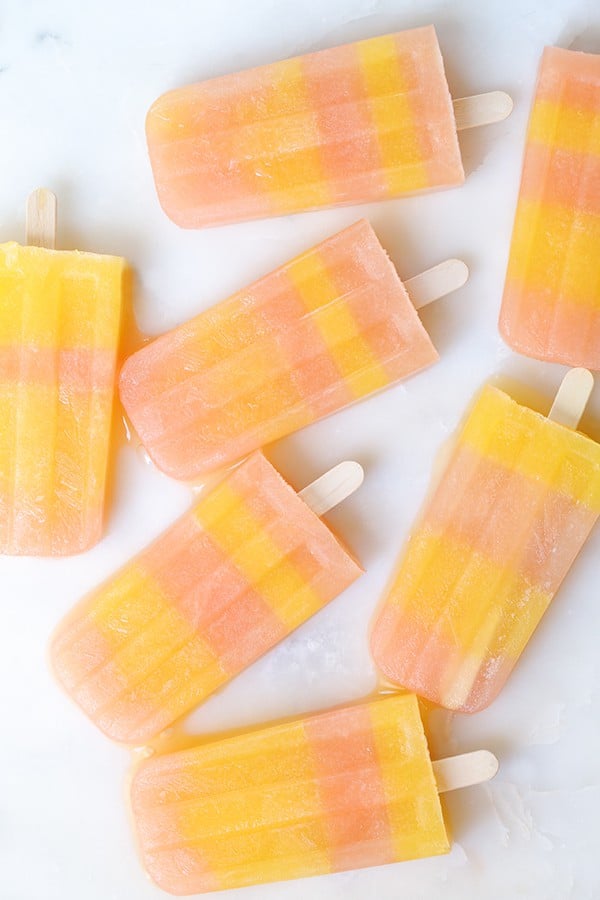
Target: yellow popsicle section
{"x":240,"y":534}
{"x":59,"y":331}
{"x":513,"y":508}
{"x":345,"y":789}
{"x":351,"y":124}
{"x":388,"y":86}
{"x":352,"y":355}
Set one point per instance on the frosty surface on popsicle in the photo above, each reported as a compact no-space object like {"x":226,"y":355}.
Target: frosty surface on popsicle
{"x":59,"y":332}
{"x":324,"y":330}
{"x":341,"y":790}
{"x":357,"y":123}
{"x":245,"y":566}
{"x":551,"y":304}
{"x":514,"y":506}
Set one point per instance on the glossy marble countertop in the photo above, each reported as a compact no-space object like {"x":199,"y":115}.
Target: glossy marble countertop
{"x":76,"y":80}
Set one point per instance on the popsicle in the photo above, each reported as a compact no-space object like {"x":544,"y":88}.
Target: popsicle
{"x":519,"y":495}
{"x":344,"y":789}
{"x":551,"y":303}
{"x":242,"y":569}
{"x":351,"y":124}
{"x":59,"y":334}
{"x":326,"y":329}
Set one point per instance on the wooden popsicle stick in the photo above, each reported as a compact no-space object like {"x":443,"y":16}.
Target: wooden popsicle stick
{"x":464,"y":770}
{"x":482,"y":109}
{"x":333,"y":487}
{"x":436,"y":282}
{"x":572,"y":398}
{"x":40,"y":220}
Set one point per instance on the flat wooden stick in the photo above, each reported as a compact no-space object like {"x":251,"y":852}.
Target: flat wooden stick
{"x":436,"y":282}
{"x":572,"y":398}
{"x":482,"y":109}
{"x":464,"y":770}
{"x":333,"y":487}
{"x":40,"y":220}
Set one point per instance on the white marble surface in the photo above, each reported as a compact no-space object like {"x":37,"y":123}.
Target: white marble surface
{"x":75,"y":82}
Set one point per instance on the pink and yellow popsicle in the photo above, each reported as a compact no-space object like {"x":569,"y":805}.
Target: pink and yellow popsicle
{"x":59,"y":332}
{"x":516,"y":502}
{"x":247,"y":565}
{"x":326,"y":329}
{"x":357,"y":123}
{"x":551,"y":304}
{"x":341,"y":790}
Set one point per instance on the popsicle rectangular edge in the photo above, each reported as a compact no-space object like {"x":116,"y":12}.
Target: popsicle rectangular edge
{"x":350,"y":124}
{"x":243,"y":568}
{"x":551,"y":303}
{"x":59,"y":333}
{"x":327,"y":328}
{"x":515,"y":504}
{"x":344,"y":789}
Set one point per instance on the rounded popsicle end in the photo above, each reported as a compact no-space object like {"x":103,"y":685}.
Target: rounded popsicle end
{"x":183,"y":870}
{"x":482,"y":109}
{"x":334,"y":486}
{"x":437,"y":282}
{"x":354,"y":472}
{"x":459,"y":271}
{"x":465,"y":770}
{"x":503,"y":105}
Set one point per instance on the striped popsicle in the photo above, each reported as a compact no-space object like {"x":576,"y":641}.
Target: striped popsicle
{"x":551,"y":304}
{"x":517,"y":500}
{"x":344,"y":789}
{"x":326,"y":329}
{"x":59,"y":333}
{"x":361,"y":122}
{"x":231,"y":578}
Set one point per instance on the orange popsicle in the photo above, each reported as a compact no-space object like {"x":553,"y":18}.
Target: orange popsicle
{"x":59,"y":332}
{"x":341,"y":790}
{"x":241,"y":570}
{"x":515,"y":504}
{"x":551,"y":304}
{"x":326,"y":329}
{"x":357,"y":123}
